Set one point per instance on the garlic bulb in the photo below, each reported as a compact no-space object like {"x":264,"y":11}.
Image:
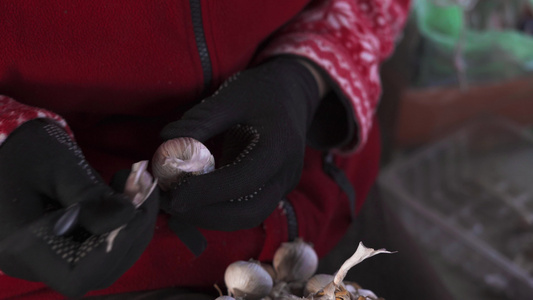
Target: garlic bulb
{"x":178,"y":157}
{"x":247,"y":279}
{"x":270,"y":270}
{"x":317,"y":282}
{"x":295,"y":261}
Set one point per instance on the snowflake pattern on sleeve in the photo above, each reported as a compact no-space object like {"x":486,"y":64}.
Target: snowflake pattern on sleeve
{"x":348,"y":39}
{"x":13,"y":114}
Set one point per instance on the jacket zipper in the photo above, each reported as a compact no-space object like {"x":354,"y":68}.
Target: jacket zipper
{"x":292,"y":222}
{"x":201,"y":44}
{"x":335,"y":173}
{"x":340,"y":178}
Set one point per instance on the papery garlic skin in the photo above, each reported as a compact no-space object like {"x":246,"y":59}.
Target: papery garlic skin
{"x":177,"y":157}
{"x":247,"y":279}
{"x":139,"y":185}
{"x":295,"y":261}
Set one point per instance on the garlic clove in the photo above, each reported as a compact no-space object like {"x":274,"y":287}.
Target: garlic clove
{"x":247,"y":279}
{"x":178,"y":157}
{"x":295,"y":261}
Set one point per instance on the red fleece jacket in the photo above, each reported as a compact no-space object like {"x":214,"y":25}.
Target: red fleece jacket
{"x":117,"y":71}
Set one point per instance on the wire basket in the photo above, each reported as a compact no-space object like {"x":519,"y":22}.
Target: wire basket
{"x":469,"y":198}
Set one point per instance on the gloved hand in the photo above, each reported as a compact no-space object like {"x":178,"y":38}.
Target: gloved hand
{"x":265,"y":113}
{"x":43,"y":171}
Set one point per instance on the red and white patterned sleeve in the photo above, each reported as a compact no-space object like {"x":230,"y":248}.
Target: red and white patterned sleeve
{"x":348,"y":39}
{"x":13,"y":114}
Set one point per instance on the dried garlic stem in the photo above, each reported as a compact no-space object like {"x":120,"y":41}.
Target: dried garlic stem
{"x":360,"y":254}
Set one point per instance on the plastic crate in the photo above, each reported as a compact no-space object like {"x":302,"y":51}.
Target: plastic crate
{"x":469,"y":198}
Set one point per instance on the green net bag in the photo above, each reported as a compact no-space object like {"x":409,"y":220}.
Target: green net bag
{"x":451,"y":44}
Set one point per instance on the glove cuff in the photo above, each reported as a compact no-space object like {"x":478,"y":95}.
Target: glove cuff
{"x":297,"y":78}
{"x":329,"y":119}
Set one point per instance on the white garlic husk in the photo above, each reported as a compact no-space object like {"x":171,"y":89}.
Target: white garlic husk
{"x":295,"y":261}
{"x":177,"y":157}
{"x":139,"y":185}
{"x":247,"y":279}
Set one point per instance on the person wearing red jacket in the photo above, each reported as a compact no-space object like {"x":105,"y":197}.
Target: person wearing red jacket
{"x":284,"y":93}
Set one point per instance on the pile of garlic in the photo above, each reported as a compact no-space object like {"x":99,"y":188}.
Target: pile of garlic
{"x":292,"y":276}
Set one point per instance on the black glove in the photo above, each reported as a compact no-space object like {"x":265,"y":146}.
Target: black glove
{"x":42,"y":171}
{"x":265,"y":113}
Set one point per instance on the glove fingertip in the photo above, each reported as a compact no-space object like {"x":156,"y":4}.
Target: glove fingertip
{"x":174,"y":130}
{"x":201,"y":125}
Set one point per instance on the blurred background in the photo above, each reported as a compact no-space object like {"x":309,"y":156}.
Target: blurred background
{"x":457,"y":170}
